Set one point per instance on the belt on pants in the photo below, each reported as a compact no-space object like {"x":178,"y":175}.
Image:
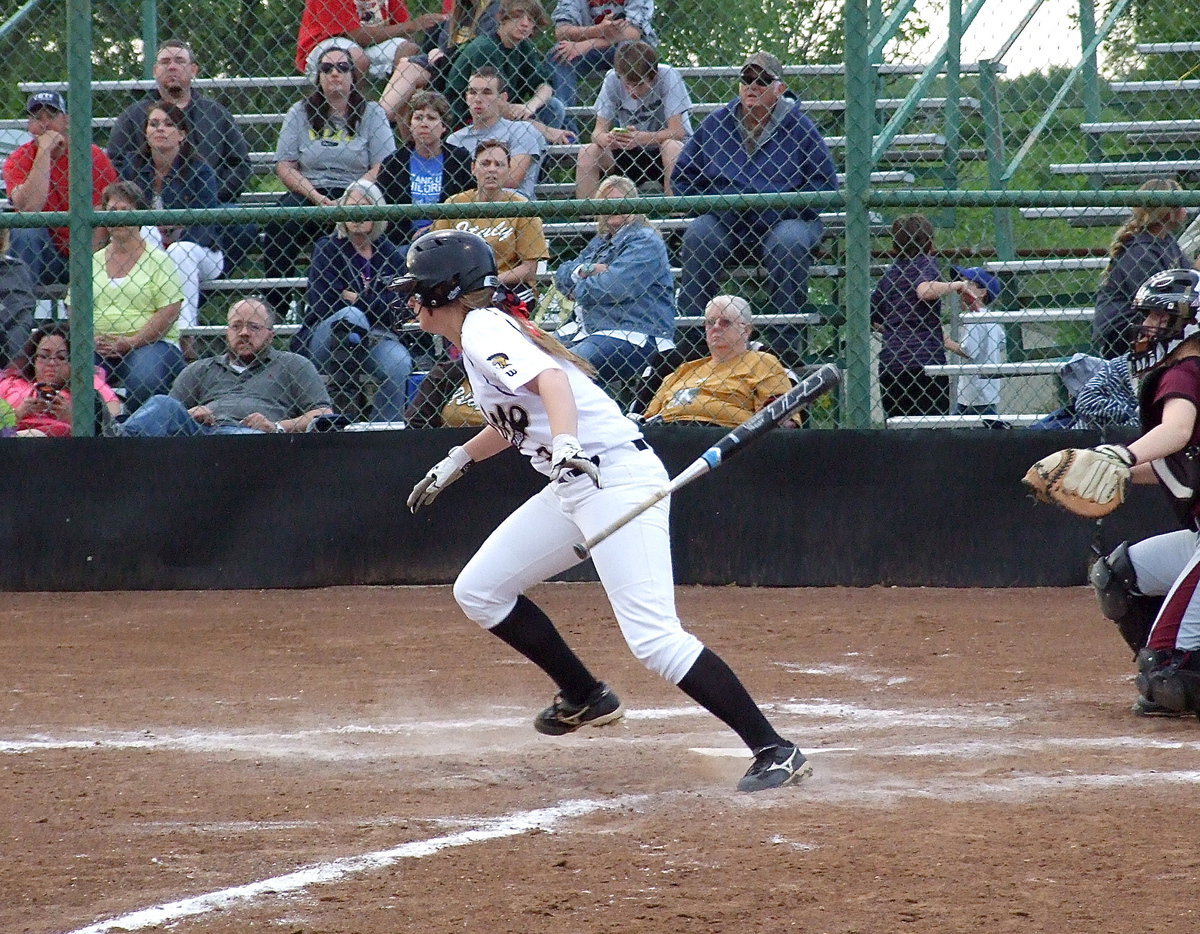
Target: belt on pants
{"x":639,"y":444}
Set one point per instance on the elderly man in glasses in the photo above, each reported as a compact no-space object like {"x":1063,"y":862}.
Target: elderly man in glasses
{"x":759,"y":142}
{"x":252,"y":388}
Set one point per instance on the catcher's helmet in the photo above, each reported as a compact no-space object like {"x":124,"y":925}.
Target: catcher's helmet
{"x":1174,"y":293}
{"x":444,"y":265}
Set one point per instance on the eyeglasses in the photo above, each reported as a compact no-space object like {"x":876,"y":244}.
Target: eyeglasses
{"x":722,"y":322}
{"x":248,"y":326}
{"x":328,"y":68}
{"x":52,"y":357}
{"x":757,"y":78}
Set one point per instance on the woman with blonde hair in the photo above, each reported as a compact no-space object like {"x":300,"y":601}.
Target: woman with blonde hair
{"x":623,"y":290}
{"x":1144,"y":245}
{"x":537,"y":398}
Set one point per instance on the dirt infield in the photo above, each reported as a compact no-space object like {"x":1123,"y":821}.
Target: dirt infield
{"x":362,"y":760}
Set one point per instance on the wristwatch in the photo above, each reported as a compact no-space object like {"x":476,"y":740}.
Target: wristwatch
{"x":279,"y":429}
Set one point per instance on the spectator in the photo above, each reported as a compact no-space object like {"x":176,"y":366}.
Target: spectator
{"x":353,"y":327}
{"x":38,"y":384}
{"x":378,"y":33}
{"x":486,"y":94}
{"x":36,"y":177}
{"x":167,"y":167}
{"x":16,"y":302}
{"x":425,"y":171}
{"x":136,"y":297}
{"x":759,"y":142}
{"x":587,"y":33}
{"x":624,"y":292}
{"x":980,"y":342}
{"x":643,"y":117}
{"x":731,"y":384}
{"x":468,"y":20}
{"x":444,"y":399}
{"x":1109,"y":399}
{"x":252,"y":388}
{"x":328,"y":140}
{"x":213,"y":135}
{"x":526,"y":76}
{"x":518,"y":242}
{"x":906,"y":307}
{"x":1144,"y":245}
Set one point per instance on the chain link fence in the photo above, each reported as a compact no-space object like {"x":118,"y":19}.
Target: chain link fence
{"x":704,"y":219}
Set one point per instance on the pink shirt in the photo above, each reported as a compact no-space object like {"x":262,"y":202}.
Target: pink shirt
{"x":15,"y":389}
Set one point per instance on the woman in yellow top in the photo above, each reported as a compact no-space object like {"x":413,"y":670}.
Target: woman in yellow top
{"x":136,"y":296}
{"x":729,"y":386}
{"x":518,"y":242}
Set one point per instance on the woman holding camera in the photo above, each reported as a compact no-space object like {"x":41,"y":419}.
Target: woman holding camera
{"x":37,"y":385}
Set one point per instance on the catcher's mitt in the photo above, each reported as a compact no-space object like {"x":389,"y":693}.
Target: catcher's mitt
{"x":1089,"y":482}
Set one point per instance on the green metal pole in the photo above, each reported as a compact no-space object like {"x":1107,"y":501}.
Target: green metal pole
{"x":953,"y":117}
{"x":1091,"y":82}
{"x":82,"y":223}
{"x":149,"y":36}
{"x":989,"y":102}
{"x":860,"y":121}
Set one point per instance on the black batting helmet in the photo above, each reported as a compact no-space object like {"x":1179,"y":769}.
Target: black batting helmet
{"x":1174,"y":293}
{"x":446,"y":264}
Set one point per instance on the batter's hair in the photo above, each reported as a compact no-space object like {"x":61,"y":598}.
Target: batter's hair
{"x":636,"y":61}
{"x":483,"y":298}
{"x":1151,"y":220}
{"x":912,"y":236}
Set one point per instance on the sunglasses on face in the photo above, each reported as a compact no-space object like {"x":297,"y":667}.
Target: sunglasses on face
{"x":758,"y":78}
{"x":328,"y":68}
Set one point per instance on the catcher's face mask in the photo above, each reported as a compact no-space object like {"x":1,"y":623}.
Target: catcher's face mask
{"x":1165,"y":328}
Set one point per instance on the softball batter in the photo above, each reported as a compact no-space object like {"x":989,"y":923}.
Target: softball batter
{"x":537,"y":397}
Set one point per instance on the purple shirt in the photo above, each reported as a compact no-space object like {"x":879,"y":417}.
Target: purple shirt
{"x":912,"y":329}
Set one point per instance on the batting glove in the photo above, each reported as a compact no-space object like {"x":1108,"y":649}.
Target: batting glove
{"x":568,"y":456}
{"x":444,"y":472}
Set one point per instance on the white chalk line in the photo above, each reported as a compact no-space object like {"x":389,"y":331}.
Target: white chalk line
{"x":490,"y":829}
{"x":301,"y":741}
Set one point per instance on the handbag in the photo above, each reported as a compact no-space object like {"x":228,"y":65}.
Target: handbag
{"x":554,"y":310}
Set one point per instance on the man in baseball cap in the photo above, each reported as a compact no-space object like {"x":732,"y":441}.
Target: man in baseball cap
{"x":50,"y":99}
{"x":760,"y":142}
{"x":36,"y":179}
{"x":761,"y":68}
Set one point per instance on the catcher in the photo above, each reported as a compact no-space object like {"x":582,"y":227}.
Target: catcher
{"x":1149,"y":589}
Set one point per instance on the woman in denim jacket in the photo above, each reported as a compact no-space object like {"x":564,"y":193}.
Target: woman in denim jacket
{"x":624,"y":293}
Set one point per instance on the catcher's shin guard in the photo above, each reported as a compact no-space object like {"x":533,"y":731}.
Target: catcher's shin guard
{"x":1115,"y":581}
{"x":1176,"y":685}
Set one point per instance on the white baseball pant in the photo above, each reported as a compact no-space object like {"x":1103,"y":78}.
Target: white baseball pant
{"x":634,"y":564}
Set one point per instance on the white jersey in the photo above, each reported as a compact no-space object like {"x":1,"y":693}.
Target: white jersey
{"x":500,"y":359}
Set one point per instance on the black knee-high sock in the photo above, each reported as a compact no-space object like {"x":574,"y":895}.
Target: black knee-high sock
{"x":528,"y":630}
{"x":712,"y":684}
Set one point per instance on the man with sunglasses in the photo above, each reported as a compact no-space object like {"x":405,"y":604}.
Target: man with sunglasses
{"x":759,"y":142}
{"x":252,"y":388}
